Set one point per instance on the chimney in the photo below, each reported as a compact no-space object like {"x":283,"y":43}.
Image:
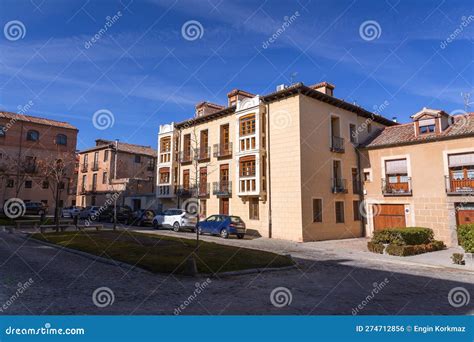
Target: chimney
{"x":205,"y":108}
{"x":324,"y":87}
{"x":238,"y":95}
{"x":280,"y":87}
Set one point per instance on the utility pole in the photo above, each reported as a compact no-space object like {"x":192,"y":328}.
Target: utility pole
{"x":115,"y":179}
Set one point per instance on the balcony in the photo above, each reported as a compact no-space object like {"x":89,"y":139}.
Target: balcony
{"x":184,"y":191}
{"x":223,"y":150}
{"x":204,"y":190}
{"x":95,"y":166}
{"x":337,"y":144}
{"x":338,"y":186}
{"x":462,"y":186}
{"x":164,"y":191}
{"x":185,"y":157}
{"x":399,"y":188}
{"x":222,"y":189}
{"x":85,"y":167}
{"x":203,"y":153}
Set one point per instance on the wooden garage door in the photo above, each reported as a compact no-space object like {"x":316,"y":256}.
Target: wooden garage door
{"x":465,"y":215}
{"x":389,"y":216}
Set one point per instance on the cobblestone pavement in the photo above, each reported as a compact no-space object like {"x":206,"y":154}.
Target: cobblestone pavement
{"x":324,"y":283}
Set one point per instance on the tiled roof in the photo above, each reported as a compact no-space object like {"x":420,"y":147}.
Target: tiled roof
{"x":462,"y":126}
{"x":123,"y":147}
{"x":36,"y":120}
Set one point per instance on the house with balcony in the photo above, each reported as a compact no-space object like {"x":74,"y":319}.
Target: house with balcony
{"x":286,"y":163}
{"x":421,"y":174}
{"x":134,"y":180}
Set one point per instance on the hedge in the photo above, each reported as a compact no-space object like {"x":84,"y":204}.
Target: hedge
{"x":406,"y":250}
{"x":375,"y":247}
{"x":466,"y":237}
{"x":403,"y":236}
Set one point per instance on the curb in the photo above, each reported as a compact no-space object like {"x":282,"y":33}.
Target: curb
{"x":88,"y":255}
{"x":250,"y":271}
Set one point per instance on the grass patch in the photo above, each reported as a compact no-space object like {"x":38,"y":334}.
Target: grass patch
{"x":164,"y":254}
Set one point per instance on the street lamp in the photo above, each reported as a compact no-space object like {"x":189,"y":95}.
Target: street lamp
{"x":115,"y":178}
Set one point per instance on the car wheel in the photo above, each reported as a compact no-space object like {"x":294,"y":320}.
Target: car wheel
{"x":199,"y":231}
{"x":155,"y":225}
{"x":224,"y":233}
{"x":240,"y":236}
{"x":176,"y":227}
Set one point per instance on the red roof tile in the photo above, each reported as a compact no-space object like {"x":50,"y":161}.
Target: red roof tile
{"x":36,"y":120}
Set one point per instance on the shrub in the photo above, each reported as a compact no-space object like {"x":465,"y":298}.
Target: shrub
{"x":406,"y":250}
{"x":375,"y":247}
{"x":466,"y":237}
{"x":457,"y":258}
{"x":404,"y":236}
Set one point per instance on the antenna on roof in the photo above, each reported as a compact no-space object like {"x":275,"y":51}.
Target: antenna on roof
{"x":467,"y":101}
{"x":293,"y":77}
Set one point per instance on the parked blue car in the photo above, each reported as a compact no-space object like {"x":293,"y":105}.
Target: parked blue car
{"x":222,"y":225}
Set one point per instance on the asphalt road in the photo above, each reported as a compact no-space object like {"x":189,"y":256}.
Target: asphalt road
{"x":65,"y":283}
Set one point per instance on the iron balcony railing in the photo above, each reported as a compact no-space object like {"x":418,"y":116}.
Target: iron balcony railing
{"x":95,"y":166}
{"x":222,"y":189}
{"x":185,"y":156}
{"x":164,"y":190}
{"x":337,"y":144}
{"x":398,"y":188}
{"x":223,"y":150}
{"x":203,"y":190}
{"x":84,"y":167}
{"x":463,"y":186}
{"x":338,"y":185}
{"x":203,"y":153}
{"x":184,"y":191}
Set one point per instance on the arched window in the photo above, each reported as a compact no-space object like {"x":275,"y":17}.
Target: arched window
{"x":61,"y":139}
{"x":32,"y":135}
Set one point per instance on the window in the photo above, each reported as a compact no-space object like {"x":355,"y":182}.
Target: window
{"x":427,"y":129}
{"x":32,"y":135}
{"x":138,"y":159}
{"x":339,"y":212}
{"x":10,"y":183}
{"x":151,"y":164}
{"x":367,"y":176}
{"x":45,"y":185}
{"x":61,"y":139}
{"x":317,"y":210}
{"x":356,"y":210}
{"x":353,"y":133}
{"x":186,"y":179}
{"x":203,"y":144}
{"x":396,"y":171}
{"x":94,"y":181}
{"x":202,"y":208}
{"x":187,"y":147}
{"x":247,"y":125}
{"x":247,"y":167}
{"x":253,"y":208}
{"x":165,"y":144}
{"x":106,"y":155}
{"x":164,"y":175}
{"x":2,"y":131}
{"x":104,"y":178}
{"x":28,"y":184}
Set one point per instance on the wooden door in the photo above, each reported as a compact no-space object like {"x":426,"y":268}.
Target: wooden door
{"x":389,"y":216}
{"x":465,"y":215}
{"x":224,"y":206}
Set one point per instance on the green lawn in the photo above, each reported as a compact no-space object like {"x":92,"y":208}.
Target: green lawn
{"x":164,"y":254}
{"x":5,"y":221}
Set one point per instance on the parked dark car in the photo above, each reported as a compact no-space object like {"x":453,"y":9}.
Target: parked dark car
{"x":223,"y":225}
{"x":35,"y":208}
{"x":124,"y":214}
{"x":143,"y":217}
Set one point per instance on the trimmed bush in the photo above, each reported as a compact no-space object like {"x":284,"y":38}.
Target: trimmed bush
{"x":375,"y":247}
{"x":407,"y":250}
{"x":458,"y":259}
{"x":466,"y":237}
{"x":404,"y":236}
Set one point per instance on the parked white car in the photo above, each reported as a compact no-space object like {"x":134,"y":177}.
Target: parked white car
{"x":71,"y":211}
{"x":88,"y":212}
{"x":176,"y":219}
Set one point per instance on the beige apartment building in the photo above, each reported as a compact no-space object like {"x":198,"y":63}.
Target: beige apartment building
{"x":285,"y":162}
{"x":27,"y":145}
{"x":422,"y":174}
{"x":134,"y":180}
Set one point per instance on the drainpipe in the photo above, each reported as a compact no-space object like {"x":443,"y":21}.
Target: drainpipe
{"x":361,"y":192}
{"x":269,"y":182}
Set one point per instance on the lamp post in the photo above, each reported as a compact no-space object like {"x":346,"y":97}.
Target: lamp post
{"x":115,"y":178}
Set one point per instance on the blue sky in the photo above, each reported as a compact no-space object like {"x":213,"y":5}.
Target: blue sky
{"x":144,"y":71}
